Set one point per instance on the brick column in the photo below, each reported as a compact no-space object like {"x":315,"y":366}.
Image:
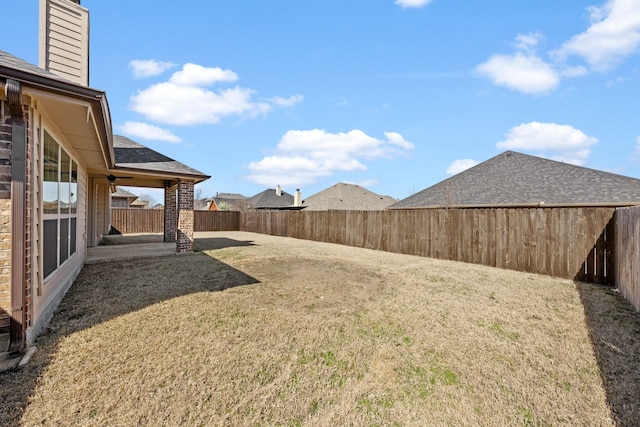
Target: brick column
{"x":185,"y":217}
{"x":170,"y":213}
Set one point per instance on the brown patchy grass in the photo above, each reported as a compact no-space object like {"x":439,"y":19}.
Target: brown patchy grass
{"x":260,"y":330}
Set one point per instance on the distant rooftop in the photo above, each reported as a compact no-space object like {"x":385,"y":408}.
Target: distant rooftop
{"x":516,"y":179}
{"x":344,"y":196}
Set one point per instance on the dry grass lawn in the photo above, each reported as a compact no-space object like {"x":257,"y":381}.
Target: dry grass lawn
{"x":260,"y":330}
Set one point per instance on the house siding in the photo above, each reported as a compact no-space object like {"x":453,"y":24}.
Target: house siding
{"x":117,"y":202}
{"x":64,"y":40}
{"x":50,"y":292}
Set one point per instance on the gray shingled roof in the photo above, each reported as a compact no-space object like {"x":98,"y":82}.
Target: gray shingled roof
{"x":515,"y":179}
{"x":122,"y":193}
{"x":232,"y":196}
{"x":133,"y":155}
{"x":15,"y":63}
{"x":268,"y":199}
{"x":343,"y":196}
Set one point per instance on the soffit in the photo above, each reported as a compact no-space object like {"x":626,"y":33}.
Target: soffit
{"x":74,"y":121}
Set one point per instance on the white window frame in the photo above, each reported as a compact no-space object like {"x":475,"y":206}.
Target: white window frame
{"x":72,"y":249}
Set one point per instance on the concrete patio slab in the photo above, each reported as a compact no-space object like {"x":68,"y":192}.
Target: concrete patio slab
{"x":108,"y":253}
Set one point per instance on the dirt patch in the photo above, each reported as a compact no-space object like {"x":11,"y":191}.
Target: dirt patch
{"x":259,"y":330}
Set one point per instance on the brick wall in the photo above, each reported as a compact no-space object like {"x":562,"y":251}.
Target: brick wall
{"x":5,"y":220}
{"x":5,"y":217}
{"x":185,"y":217}
{"x":170,"y":214}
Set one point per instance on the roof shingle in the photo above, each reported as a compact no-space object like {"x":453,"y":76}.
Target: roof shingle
{"x":133,"y":155}
{"x":516,"y":179}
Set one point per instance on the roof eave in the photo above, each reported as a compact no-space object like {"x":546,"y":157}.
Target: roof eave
{"x":97,"y":99}
{"x":169,"y":175}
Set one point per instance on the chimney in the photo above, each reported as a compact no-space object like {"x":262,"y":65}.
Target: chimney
{"x":64,"y":39}
{"x":297,"y":198}
{"x":278,"y":190}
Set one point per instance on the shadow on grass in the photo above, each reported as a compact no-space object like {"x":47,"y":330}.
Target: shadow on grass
{"x":131,"y":239}
{"x":210,"y":243}
{"x":614,"y":329}
{"x":102,"y":292}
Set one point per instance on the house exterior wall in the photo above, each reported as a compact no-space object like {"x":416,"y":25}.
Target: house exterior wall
{"x":64,"y":39}
{"x":170,"y":214}
{"x":8,"y":223}
{"x":48,"y":292}
{"x":5,"y":218}
{"x":119,"y":202}
{"x":103,"y":211}
{"x":185,"y":217}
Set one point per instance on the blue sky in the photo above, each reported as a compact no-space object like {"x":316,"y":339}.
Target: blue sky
{"x":393,"y":95}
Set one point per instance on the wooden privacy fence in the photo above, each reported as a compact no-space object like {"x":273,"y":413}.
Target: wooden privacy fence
{"x":137,"y":220}
{"x":216,"y":220}
{"x":574,"y":243}
{"x":627,"y":252}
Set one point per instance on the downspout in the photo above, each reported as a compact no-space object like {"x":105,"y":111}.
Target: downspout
{"x":17,"y":334}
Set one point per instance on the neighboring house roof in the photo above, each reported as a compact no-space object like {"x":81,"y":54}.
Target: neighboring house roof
{"x":200,"y":204}
{"x":343,"y":196}
{"x":121,"y":193}
{"x":516,"y":179}
{"x":133,"y":156}
{"x":233,"y":200}
{"x":216,"y":203}
{"x":233,"y":196}
{"x":268,"y":199}
{"x":139,"y":203}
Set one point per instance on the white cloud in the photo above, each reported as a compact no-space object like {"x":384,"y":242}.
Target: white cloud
{"x":197,"y":75}
{"x":397,"y":139}
{"x":523,"y":72}
{"x":527,"y":42}
{"x":460,"y":165}
{"x":286,"y":102}
{"x":412,"y":3}
{"x":303,"y":156}
{"x":185,"y":100}
{"x":559,"y":142}
{"x":149,"y":132}
{"x":149,"y":67}
{"x":613,"y":35}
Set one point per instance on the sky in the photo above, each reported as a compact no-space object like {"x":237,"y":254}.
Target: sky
{"x":392,"y":95}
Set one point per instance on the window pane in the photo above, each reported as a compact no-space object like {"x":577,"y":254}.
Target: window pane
{"x":73,"y":235}
{"x":50,"y":185}
{"x":50,"y":244}
{"x":64,"y":239}
{"x":73,"y":195}
{"x":65,"y":182}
